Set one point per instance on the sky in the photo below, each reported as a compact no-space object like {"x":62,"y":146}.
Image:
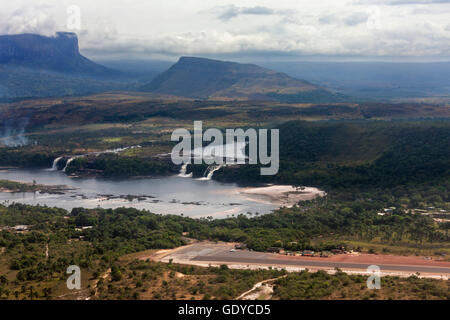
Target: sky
{"x":246,"y":29}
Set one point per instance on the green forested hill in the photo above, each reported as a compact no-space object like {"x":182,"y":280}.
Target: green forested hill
{"x":19,"y":83}
{"x":205,"y":78}
{"x":365,"y":154}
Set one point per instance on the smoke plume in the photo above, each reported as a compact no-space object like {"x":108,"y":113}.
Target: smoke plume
{"x":12,"y":133}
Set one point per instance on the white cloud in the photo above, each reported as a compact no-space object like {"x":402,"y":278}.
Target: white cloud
{"x":352,"y":19}
{"x":138,"y":28}
{"x":401,"y":2}
{"x":229,"y":12}
{"x":33,"y":19}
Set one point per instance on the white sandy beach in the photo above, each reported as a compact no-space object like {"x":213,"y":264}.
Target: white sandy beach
{"x":286,"y":196}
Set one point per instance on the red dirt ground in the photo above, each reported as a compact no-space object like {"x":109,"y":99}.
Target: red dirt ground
{"x":375,"y":259}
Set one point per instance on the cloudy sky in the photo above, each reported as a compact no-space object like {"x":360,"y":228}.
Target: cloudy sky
{"x":255,"y":29}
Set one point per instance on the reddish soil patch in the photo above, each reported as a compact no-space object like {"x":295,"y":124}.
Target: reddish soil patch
{"x":374,"y":259}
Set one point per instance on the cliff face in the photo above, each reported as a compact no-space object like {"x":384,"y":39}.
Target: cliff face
{"x":59,"y":53}
{"x":32,"y":65}
{"x":31,"y":49}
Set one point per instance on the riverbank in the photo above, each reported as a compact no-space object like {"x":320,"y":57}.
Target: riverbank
{"x":162,"y":195}
{"x":11,"y":186}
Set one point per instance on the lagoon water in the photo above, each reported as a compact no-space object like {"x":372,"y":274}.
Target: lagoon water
{"x":164,"y":195}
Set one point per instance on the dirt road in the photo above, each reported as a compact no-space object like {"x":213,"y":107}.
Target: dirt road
{"x":259,"y":289}
{"x":215,"y":254}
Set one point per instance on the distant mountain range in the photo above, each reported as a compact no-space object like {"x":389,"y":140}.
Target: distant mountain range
{"x":372,"y":80}
{"x":213,"y":79}
{"x":38,"y":66}
{"x":33,"y":66}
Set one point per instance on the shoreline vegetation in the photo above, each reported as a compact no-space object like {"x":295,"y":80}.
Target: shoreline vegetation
{"x":16,"y":186}
{"x":109,"y":246}
{"x":311,"y":222}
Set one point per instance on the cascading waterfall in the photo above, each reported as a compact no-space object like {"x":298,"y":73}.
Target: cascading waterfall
{"x":55,"y":164}
{"x":118,"y":150}
{"x":233,"y":151}
{"x":68,"y":162}
{"x":210,"y":171}
{"x":183,"y":171}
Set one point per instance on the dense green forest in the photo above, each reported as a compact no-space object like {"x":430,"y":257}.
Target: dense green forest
{"x":362,"y":155}
{"x":26,"y":157}
{"x":330,"y":154}
{"x":336,"y":219}
{"x":117,"y":166}
{"x":95,"y":239}
{"x":342,"y":215}
{"x":363,"y":166}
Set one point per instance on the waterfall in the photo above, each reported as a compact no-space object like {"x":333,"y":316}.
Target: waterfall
{"x":210,"y":171}
{"x":68,"y":162}
{"x":118,"y":150}
{"x":183,"y":171}
{"x":55,"y":164}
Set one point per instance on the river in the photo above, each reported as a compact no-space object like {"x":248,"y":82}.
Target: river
{"x":165,"y":195}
